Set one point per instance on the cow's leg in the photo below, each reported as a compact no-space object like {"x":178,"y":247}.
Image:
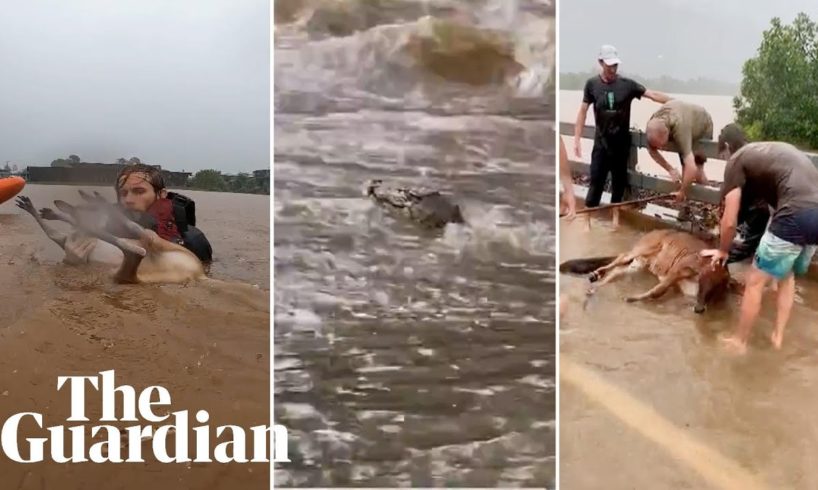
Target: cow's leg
{"x":625,"y":259}
{"x":657,"y":290}
{"x":610,"y":276}
{"x":622,"y":259}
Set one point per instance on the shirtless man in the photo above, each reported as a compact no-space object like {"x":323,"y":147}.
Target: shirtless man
{"x":683,"y":124}
{"x":779,"y":174}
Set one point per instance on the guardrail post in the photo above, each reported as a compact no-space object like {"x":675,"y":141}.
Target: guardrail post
{"x":633,"y":159}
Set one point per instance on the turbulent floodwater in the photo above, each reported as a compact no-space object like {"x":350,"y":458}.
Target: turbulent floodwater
{"x":207,"y":342}
{"x":405,"y":356}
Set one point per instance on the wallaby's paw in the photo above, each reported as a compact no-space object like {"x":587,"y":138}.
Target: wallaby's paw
{"x":25,"y":204}
{"x":631,"y":299}
{"x":48,"y":213}
{"x":590,"y":291}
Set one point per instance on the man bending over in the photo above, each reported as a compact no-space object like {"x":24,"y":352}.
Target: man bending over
{"x":781,"y":175}
{"x":683,"y":124}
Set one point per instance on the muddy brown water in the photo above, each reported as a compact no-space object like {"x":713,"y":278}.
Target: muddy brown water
{"x":405,"y":357}
{"x":756,"y":411}
{"x":207,"y":343}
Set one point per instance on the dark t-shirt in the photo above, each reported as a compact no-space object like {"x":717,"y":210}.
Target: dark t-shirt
{"x":776,"y":173}
{"x":612,"y":106}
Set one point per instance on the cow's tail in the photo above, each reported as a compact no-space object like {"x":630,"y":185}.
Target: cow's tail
{"x":585,"y":266}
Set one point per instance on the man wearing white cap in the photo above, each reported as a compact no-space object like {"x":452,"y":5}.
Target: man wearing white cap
{"x":611,"y":96}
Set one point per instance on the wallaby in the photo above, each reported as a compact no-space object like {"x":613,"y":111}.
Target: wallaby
{"x":103,"y":234}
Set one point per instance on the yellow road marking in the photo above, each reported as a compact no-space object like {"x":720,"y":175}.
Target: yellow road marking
{"x":714,"y":467}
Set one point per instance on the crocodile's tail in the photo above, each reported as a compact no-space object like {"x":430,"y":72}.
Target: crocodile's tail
{"x":585,"y":266}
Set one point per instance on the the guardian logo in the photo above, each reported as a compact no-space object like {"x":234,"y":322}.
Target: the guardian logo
{"x":63,"y":444}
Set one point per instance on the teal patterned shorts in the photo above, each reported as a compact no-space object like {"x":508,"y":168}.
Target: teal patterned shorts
{"x":779,"y":258}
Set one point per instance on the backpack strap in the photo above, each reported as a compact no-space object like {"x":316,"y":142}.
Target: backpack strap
{"x":184,"y":211}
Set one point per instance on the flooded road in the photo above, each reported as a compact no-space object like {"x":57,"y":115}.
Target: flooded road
{"x":642,"y":384}
{"x":408,"y":357}
{"x":207,"y":343}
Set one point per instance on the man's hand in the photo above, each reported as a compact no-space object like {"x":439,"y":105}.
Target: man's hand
{"x":577,"y":148}
{"x":675,"y":176}
{"x":681,"y":195}
{"x":716,"y":256}
{"x":569,"y":205}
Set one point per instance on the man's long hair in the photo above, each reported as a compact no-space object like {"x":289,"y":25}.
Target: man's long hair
{"x":153,"y":176}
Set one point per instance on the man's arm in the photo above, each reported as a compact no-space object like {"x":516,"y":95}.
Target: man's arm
{"x":658,"y":158}
{"x":689,"y":170}
{"x":567,"y":182}
{"x":655,"y":96}
{"x":729,"y":220}
{"x":580,"y":124}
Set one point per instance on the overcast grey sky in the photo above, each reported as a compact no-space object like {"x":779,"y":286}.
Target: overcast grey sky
{"x":679,"y":38}
{"x":180,"y":83}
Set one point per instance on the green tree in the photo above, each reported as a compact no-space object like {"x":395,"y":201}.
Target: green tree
{"x":779,"y":89}
{"x":74,"y":158}
{"x":208,"y":180}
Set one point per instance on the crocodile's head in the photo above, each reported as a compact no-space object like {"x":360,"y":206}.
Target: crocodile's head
{"x":371,"y":185}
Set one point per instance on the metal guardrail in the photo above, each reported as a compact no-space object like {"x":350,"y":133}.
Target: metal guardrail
{"x":643,"y":181}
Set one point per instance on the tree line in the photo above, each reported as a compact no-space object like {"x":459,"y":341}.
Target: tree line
{"x":700,"y":86}
{"x":779,"y":89}
{"x":777,"y":99}
{"x":205,"y":180}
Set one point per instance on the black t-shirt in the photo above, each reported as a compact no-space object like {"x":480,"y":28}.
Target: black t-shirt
{"x":612,"y":105}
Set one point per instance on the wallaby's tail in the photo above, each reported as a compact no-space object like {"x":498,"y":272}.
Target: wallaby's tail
{"x":585,"y":266}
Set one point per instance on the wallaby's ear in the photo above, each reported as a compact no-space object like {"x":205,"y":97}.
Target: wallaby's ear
{"x":86,"y":196}
{"x":99,"y":198}
{"x":64,"y":207}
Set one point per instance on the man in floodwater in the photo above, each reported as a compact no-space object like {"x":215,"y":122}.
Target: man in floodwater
{"x":611,"y":96}
{"x":783,"y":176}
{"x":753,"y":215}
{"x":140,"y":190}
{"x":683,"y":124}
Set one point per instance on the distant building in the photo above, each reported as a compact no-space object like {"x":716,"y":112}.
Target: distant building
{"x":94,"y":173}
{"x":263,"y":178}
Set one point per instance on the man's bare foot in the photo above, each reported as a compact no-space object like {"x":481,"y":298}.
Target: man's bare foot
{"x":777,"y":339}
{"x":734,"y":345}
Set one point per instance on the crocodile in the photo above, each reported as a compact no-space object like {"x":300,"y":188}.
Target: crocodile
{"x":424,"y":206}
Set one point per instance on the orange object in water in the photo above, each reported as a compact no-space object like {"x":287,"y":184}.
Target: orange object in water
{"x":10,"y":187}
